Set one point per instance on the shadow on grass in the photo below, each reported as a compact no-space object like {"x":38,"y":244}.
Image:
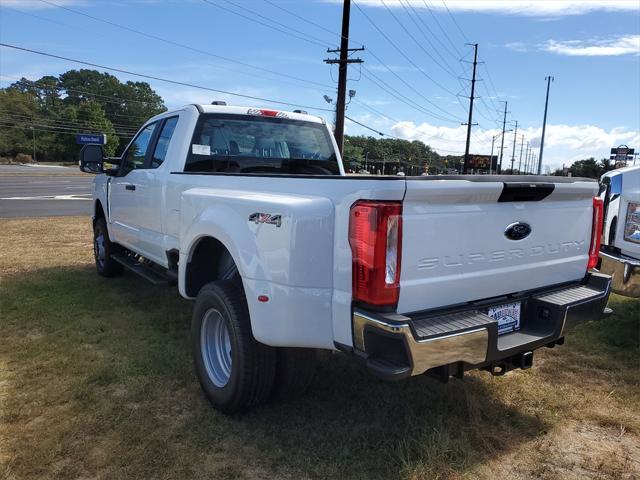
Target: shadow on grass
{"x":99,"y":381}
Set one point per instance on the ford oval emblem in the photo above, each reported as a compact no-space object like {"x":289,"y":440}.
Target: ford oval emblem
{"x":517,"y":231}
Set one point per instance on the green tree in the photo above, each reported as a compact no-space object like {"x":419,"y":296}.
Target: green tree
{"x":127,"y":105}
{"x":18,"y":111}
{"x":78,"y":101}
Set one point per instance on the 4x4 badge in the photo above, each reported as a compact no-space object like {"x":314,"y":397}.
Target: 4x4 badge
{"x":266,"y":218}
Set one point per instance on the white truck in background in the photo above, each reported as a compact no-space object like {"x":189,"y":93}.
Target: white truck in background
{"x":620,"y":250}
{"x":249,"y":210}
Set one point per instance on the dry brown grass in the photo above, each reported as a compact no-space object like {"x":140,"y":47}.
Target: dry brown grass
{"x":96,"y":382}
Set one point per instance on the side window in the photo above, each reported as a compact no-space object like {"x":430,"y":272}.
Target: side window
{"x":162,"y":144}
{"x":137,"y":151}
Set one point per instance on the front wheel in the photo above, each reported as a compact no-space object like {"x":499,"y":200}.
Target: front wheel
{"x":235,"y":371}
{"x":103,"y":248}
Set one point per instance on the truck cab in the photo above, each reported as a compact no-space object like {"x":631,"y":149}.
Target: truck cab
{"x":620,"y":246}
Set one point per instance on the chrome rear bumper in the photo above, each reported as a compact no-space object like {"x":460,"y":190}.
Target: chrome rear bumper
{"x":625,"y":272}
{"x":395,"y":346}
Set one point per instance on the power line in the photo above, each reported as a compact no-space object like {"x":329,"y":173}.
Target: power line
{"x":443,"y":31}
{"x":56,"y":129}
{"x":104,"y":98}
{"x":384,"y":115}
{"x":66,"y":122}
{"x":368,"y":74}
{"x":160,"y":79}
{"x":376,"y":111}
{"x":451,"y":119}
{"x":448,"y":71}
{"x":304,"y":37}
{"x":454,"y":21}
{"x":401,"y":52}
{"x":393,"y":136}
{"x":181,"y":45}
{"x":426,"y":26}
{"x":6,"y":124}
{"x":306,"y":20}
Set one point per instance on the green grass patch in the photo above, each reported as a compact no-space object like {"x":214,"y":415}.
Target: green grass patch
{"x":96,"y":380}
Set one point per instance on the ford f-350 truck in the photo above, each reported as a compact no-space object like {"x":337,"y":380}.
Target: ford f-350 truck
{"x":249,"y":210}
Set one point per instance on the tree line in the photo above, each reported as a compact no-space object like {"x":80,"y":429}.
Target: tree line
{"x":52,"y":110}
{"x":47,"y":113}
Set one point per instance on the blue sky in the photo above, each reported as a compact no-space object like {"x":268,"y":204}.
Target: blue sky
{"x":592,"y":48}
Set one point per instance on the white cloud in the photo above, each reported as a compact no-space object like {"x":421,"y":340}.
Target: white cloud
{"x":537,"y":8}
{"x":563,"y":143}
{"x":38,"y":5}
{"x":626,"y":45}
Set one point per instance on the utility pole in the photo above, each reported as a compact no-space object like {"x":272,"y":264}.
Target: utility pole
{"x":504,"y":124}
{"x":526,"y":159}
{"x":342,"y":62}
{"x":520,"y":162}
{"x":493,"y":141}
{"x":513,"y":152}
{"x":549,"y":79}
{"x":470,"y":122}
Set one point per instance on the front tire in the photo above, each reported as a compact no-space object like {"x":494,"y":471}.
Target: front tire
{"x":103,"y":248}
{"x":235,"y":371}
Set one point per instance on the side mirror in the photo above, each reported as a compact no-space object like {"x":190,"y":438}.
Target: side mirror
{"x":91,"y":158}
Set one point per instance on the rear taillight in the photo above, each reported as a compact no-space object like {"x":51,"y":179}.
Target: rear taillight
{"x":375,"y":236}
{"x":596,"y":232}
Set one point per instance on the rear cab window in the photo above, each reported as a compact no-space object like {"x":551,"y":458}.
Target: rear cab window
{"x":230,"y":143}
{"x":162,"y":144}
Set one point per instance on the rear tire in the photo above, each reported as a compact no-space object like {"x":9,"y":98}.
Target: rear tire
{"x":294,"y":372}
{"x":103,"y":248}
{"x":235,"y":371}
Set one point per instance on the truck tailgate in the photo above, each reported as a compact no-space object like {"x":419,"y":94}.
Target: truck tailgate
{"x":455,"y":248}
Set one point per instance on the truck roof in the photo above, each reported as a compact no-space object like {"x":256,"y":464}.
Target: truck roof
{"x":238,"y":110}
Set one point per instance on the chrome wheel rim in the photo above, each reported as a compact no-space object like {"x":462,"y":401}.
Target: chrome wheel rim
{"x":215,"y":345}
{"x":98,"y":248}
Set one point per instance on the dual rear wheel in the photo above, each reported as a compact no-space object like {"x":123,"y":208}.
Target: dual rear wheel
{"x":237,"y":372}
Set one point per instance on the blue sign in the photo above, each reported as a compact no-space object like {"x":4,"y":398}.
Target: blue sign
{"x":91,"y":139}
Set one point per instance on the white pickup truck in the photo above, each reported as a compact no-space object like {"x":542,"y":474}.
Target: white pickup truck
{"x":620,"y":250}
{"x":249,"y":210}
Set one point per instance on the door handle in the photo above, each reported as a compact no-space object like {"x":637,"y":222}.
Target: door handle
{"x":130,"y":187}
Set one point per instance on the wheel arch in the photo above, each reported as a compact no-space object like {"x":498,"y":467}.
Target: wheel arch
{"x":98,"y":211}
{"x":208,"y":260}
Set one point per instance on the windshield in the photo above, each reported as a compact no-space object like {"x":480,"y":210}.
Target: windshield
{"x":254,"y":144}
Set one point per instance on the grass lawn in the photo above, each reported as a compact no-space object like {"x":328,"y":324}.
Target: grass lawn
{"x":96,"y":381}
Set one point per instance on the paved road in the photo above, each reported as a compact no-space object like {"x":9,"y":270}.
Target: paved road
{"x":43,"y":191}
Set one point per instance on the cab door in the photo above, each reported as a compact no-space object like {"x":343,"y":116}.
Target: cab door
{"x":129,"y":188}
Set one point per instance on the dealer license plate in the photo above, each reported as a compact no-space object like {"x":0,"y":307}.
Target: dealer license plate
{"x":508,"y":317}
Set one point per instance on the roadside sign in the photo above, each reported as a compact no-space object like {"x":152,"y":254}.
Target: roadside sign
{"x":622,"y":150}
{"x":622,"y":153}
{"x":482,"y":162}
{"x":91,"y":139}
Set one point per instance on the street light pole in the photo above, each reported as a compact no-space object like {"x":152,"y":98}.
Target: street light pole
{"x":520,"y":162}
{"x":33,"y":131}
{"x":513,"y":152}
{"x":493,"y":141}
